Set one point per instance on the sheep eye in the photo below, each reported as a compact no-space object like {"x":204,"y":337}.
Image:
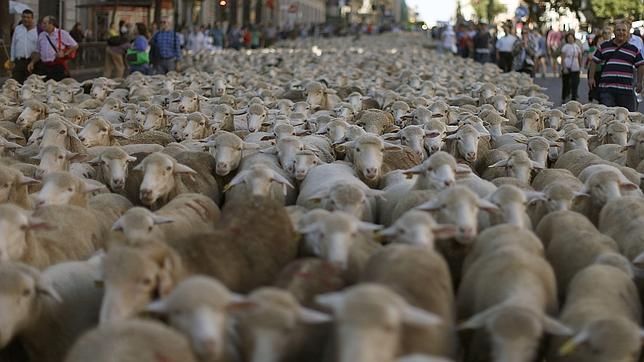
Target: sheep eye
{"x":62,"y":132}
{"x":60,"y":157}
{"x":146,"y":281}
{"x":404,"y":138}
{"x":103,"y":130}
{"x":70,"y":189}
{"x":150,"y":228}
{"x":26,"y":292}
{"x":357,"y":149}
{"x":169,"y":168}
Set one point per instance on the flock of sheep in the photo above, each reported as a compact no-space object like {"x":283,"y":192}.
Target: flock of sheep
{"x":356,"y":202}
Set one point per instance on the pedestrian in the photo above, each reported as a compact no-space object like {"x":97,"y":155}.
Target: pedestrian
{"x":235,"y":37}
{"x":166,"y":48}
{"x":553,"y":41}
{"x":541,"y":53}
{"x":523,"y":54}
{"x":23,"y":44}
{"x":504,"y":47}
{"x":482,"y":41}
{"x":55,"y":47}
{"x":449,"y":40}
{"x":217,"y":37}
{"x":570,"y":68}
{"x":619,"y":59}
{"x":138,"y":56}
{"x":117,"y":44}
{"x":196,"y":40}
{"x":77,"y":33}
{"x":255,"y":37}
{"x":593,"y":93}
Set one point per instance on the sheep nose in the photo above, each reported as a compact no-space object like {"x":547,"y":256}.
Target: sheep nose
{"x":371,"y":171}
{"x":300,"y":175}
{"x":449,"y":183}
{"x":470,"y":155}
{"x":466,"y":231}
{"x":209,"y":346}
{"x":252,"y":129}
{"x":145,"y":193}
{"x":290,"y":169}
{"x":81,"y":138}
{"x":434,"y":148}
{"x":40,"y":203}
{"x":118,"y":181}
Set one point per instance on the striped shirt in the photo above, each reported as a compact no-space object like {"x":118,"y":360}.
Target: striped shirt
{"x":617,"y":73}
{"x":47,"y":52}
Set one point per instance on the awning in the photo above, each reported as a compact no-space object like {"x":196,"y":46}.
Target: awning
{"x":17,"y":8}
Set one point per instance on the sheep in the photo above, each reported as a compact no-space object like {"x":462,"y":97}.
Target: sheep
{"x":129,"y":341}
{"x":162,"y":178}
{"x":465,"y":144}
{"x":287,"y":147}
{"x":518,"y":165}
{"x":336,"y":186}
{"x":197,"y":308}
{"x":435,"y":144}
{"x":304,"y":161}
{"x":318,"y":95}
{"x":60,"y":188}
{"x":537,"y":148}
{"x":433,"y":175}
{"x":14,"y":187}
{"x":375,"y":121}
{"x":154,"y":119}
{"x":610,"y":133}
{"x":635,"y":149}
{"x":367,"y":154}
{"x":558,"y":196}
{"x":511,"y":202}
{"x":183,"y":215}
{"x":33,"y":111}
{"x":621,"y":219}
{"x":111,"y":166}
{"x":227,"y":148}
{"x":62,"y":134}
{"x":54,"y":158}
{"x":239,"y":256}
{"x":514,"y":321}
{"x":599,"y":188}
{"x":417,"y":228}
{"x":603,"y":308}
{"x":342,"y":239}
{"x":275,"y":327}
{"x":368,"y":321}
{"x":399,"y":267}
{"x":256,"y":177}
{"x":576,"y":139}
{"x":413,"y":137}
{"x":577,"y":160}
{"x":49,"y":235}
{"x":47,"y":311}
{"x":548,"y":176}
{"x":305,"y":278}
{"x":196,"y":127}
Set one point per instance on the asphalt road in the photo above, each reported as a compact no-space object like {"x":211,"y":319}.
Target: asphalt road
{"x":554,"y":88}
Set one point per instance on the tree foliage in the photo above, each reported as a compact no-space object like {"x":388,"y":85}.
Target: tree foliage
{"x":612,"y":9}
{"x":482,"y":9}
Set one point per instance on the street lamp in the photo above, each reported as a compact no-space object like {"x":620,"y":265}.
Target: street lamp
{"x":223,"y":3}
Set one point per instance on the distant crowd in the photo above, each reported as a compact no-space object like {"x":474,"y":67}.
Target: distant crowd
{"x":517,"y":47}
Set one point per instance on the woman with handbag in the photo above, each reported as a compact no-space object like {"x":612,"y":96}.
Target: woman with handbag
{"x":54,"y":49}
{"x":138,"y":55}
{"x":570,"y":67}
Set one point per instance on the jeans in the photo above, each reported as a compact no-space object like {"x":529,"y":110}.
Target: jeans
{"x":612,"y":98}
{"x":20,"y":72}
{"x":570,"y":85}
{"x":163,"y":66}
{"x":481,"y":57}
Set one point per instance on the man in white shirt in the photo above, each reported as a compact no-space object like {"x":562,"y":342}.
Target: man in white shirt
{"x":504,"y":47}
{"x":23,"y":44}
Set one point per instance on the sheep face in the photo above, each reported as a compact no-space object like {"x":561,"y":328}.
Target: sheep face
{"x":467,"y":142}
{"x":304,"y":161}
{"x":56,"y":133}
{"x":53,"y":159}
{"x":518,"y":165}
{"x":302,"y":108}
{"x":355,"y":99}
{"x":435,"y":173}
{"x":62,"y":188}
{"x":559,"y":197}
{"x":227,"y":150}
{"x":459,"y":206}
{"x":99,"y":91}
{"x":591,"y":120}
{"x":637,"y":144}
{"x":177,"y":126}
{"x":153,"y":119}
{"x":159,"y":172}
{"x":604,"y":186}
{"x":257,"y":115}
{"x":417,"y":228}
{"x":286,"y":150}
{"x":97,"y":132}
{"x":21,"y":290}
{"x":198,"y":308}
{"x":189,"y":102}
{"x":538,"y":149}
{"x":515,"y":330}
{"x":196,"y":128}
{"x":511,"y":202}
{"x":367,"y":153}
{"x":271,"y":319}
{"x":335,"y":235}
{"x":576,"y":140}
{"x":219,"y":87}
{"x":259,"y":179}
{"x":368,"y":320}
{"x":29,"y":115}
{"x":15,"y":224}
{"x":554,"y":120}
{"x":132,"y":279}
{"x":414,"y":137}
{"x":221,"y":116}
{"x":114,"y":167}
{"x":316,"y":97}
{"x":336,"y":131}
{"x":500,"y":103}
{"x":617,"y":133}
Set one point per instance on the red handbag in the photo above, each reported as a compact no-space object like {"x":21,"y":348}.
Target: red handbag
{"x":64,"y":59}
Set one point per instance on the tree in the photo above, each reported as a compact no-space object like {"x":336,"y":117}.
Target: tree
{"x":487,"y":9}
{"x":157,"y":11}
{"x":613,"y":9}
{"x":5,"y":20}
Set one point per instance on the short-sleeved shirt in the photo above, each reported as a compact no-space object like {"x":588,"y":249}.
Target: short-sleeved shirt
{"x":617,"y":73}
{"x":47,"y":52}
{"x":168,"y":44}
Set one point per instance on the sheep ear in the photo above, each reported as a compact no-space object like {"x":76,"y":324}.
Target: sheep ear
{"x":138,"y":167}
{"x":36,"y":157}
{"x":282,"y":180}
{"x":452,"y":136}
{"x":462,"y":169}
{"x":444,"y":231}
{"x":388,"y":232}
{"x":392,"y":147}
{"x":130,"y":159}
{"x":162,"y":219}
{"x":555,"y":327}
{"x":367,"y":226}
{"x":534,"y":196}
{"x":479,"y":319}
{"x":36,"y":223}
{"x":75,"y":157}
{"x":629,"y":186}
{"x":250,"y":146}
{"x":272,"y":150}
{"x":391,"y":136}
{"x":570,"y":345}
{"x":317,"y":197}
{"x":419,"y":317}
{"x":159,"y":306}
{"x":332,"y":301}
{"x":10,"y":145}
{"x":116,"y":133}
{"x":238,"y":179}
{"x":451,"y":129}
{"x":307,"y":315}
{"x":431,"y":134}
{"x":430,"y":205}
{"x":95,"y":161}
{"x":181,"y":168}
{"x":416,"y":170}
{"x":487,"y":206}
{"x":309,"y":228}
{"x":501,"y":163}
{"x":24,"y":180}
{"x":117,"y":226}
{"x":91,"y":186}
{"x":165,"y":280}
